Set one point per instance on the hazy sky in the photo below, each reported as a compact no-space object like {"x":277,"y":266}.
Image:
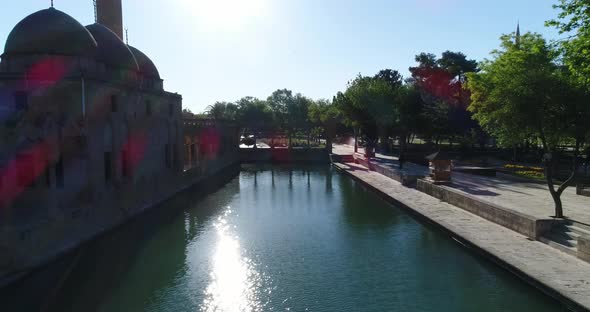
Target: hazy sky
{"x":221,"y":50}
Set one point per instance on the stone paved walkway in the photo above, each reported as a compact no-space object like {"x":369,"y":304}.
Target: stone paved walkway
{"x":525,"y":197}
{"x":563,"y":276}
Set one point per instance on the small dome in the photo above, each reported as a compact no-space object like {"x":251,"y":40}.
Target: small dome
{"x":111,"y":49}
{"x":146,"y":66}
{"x":49,"y":31}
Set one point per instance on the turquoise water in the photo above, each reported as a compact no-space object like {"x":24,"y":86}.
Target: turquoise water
{"x":280,"y":239}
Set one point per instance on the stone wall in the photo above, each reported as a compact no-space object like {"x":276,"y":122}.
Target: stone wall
{"x":584,"y":248}
{"x":24,"y":247}
{"x":581,"y":190}
{"x":362,"y":160}
{"x":44,"y":221}
{"x":397,"y":175}
{"x":284,"y":155}
{"x":521,"y":223}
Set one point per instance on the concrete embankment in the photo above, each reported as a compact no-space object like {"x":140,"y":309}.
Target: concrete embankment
{"x":559,"y":275}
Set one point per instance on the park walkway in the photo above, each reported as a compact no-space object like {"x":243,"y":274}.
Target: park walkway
{"x":560,"y":275}
{"x":530,"y":198}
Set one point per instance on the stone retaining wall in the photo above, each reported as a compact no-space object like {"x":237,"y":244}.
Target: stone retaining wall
{"x":405,"y":180}
{"x":22,"y":249}
{"x":584,"y":248}
{"x":581,"y":190}
{"x":397,"y":175}
{"x":363,"y":161}
{"x":284,"y":155}
{"x":521,"y":223}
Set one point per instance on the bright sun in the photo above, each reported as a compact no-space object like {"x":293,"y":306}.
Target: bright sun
{"x":228,"y":15}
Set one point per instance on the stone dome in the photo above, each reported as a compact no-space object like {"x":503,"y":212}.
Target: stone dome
{"x":111,"y":50}
{"x":50,"y":31}
{"x":146,"y":66}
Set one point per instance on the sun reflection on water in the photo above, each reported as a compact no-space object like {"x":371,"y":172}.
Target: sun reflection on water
{"x":234,"y":280}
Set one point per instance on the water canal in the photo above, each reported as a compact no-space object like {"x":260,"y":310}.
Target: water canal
{"x":278,"y":239}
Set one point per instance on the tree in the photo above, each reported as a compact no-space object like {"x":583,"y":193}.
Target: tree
{"x":395,"y":80}
{"x":457,"y":65}
{"x":445,"y":100}
{"x":392,"y":77}
{"x":279,"y":102}
{"x":223,"y":111}
{"x":368,"y":104}
{"x":574,"y":17}
{"x":328,"y":116}
{"x":254,"y":115}
{"x":523,"y":92}
{"x":409,"y":109}
{"x":298,"y":115}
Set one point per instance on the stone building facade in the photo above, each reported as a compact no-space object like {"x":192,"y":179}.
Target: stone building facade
{"x":88,"y":137}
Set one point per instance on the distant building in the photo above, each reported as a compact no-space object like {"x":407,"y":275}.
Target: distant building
{"x":78,"y":104}
{"x":88,"y":135}
{"x":517,"y":35}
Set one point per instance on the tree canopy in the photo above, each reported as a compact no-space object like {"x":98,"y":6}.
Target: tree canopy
{"x":326,"y":115}
{"x":524,"y":92}
{"x":514,"y":95}
{"x":368,"y":104}
{"x":441,"y":84}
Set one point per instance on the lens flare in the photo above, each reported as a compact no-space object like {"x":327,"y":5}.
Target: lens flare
{"x":45,"y":73}
{"x":210,"y":141}
{"x":26,"y":167}
{"x":133,"y":150}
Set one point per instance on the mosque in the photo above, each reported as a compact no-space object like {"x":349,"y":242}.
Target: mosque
{"x":89,"y":136}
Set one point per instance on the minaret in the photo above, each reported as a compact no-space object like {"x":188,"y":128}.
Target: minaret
{"x":517,"y":37}
{"x":110,"y":14}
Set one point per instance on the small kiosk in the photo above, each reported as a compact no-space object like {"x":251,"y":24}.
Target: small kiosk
{"x":441,"y":167}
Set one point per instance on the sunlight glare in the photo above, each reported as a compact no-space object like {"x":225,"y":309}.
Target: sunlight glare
{"x":234,"y":281}
{"x":226,"y":15}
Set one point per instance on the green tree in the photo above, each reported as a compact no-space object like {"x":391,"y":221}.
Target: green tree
{"x":393,"y":77}
{"x":298,"y":116}
{"x":395,"y":80}
{"x":254,"y":116}
{"x":290,"y":112}
{"x":457,"y":65}
{"x":279,"y":102}
{"x":409,"y":109}
{"x":223,"y":111}
{"x":441,"y":81}
{"x":574,"y":19}
{"x":521,"y":92}
{"x":327,"y":116}
{"x":368,"y":105}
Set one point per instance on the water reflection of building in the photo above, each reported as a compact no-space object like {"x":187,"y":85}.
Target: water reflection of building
{"x":88,"y":135}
